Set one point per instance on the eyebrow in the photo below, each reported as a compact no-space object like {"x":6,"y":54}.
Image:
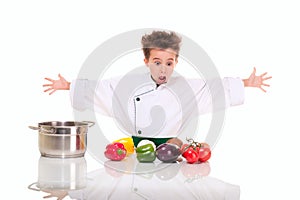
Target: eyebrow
{"x":161,"y":59}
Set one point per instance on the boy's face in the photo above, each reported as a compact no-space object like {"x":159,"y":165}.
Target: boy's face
{"x":161,"y":64}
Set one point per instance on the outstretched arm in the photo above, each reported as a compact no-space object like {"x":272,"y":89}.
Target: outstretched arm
{"x":60,"y":84}
{"x":257,"y":81}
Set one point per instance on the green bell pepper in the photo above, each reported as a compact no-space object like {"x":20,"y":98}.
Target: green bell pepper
{"x":145,"y":153}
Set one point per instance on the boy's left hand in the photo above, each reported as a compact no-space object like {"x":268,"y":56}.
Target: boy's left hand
{"x":256,"y":81}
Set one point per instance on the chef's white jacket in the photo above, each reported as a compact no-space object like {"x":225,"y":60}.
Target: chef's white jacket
{"x":140,"y":107}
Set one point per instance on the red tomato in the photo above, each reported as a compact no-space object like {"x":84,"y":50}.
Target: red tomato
{"x":191,"y":155}
{"x":204,"y":154}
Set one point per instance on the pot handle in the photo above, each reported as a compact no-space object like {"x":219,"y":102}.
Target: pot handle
{"x":52,"y":131}
{"x":33,"y":186}
{"x":89,"y":122}
{"x":34,"y":128}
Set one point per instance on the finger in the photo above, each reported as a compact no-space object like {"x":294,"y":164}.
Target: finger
{"x":48,"y":196}
{"x":61,"y":77}
{"x":266,"y":85}
{"x":269,"y":77}
{"x":262,"y":89}
{"x":52,"y":92}
{"x":49,"y":79}
{"x":263,"y":74}
{"x":254,"y":70}
{"x":48,"y":89}
{"x":47,"y":85}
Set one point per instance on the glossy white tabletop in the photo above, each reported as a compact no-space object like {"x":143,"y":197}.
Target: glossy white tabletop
{"x":69,"y":178}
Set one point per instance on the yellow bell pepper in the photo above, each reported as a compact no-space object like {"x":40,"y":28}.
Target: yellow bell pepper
{"x":128,"y":144}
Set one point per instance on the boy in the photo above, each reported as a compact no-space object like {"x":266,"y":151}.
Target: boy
{"x":159,"y":105}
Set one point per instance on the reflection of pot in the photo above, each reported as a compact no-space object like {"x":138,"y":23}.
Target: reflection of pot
{"x":60,"y":174}
{"x":62,"y":139}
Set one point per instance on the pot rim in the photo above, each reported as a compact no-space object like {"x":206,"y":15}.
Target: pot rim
{"x":47,"y":128}
{"x":65,"y":124}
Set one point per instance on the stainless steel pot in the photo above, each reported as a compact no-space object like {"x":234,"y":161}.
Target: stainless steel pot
{"x":63,"y":139}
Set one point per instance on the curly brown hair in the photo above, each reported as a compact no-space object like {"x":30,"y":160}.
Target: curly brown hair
{"x":160,"y":40}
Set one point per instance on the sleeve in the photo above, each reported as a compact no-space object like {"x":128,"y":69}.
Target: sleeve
{"x":234,"y":90}
{"x":218,"y":94}
{"x":92,"y":95}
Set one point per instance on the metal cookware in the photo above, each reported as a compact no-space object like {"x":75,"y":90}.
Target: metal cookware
{"x":62,"y":139}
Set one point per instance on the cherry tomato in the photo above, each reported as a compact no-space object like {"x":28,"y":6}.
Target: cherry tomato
{"x":191,"y":155}
{"x":204,"y":154}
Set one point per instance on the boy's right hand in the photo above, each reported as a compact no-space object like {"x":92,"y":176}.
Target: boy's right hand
{"x":60,"y":84}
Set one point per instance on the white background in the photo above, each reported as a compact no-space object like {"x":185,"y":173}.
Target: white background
{"x":259,"y":146}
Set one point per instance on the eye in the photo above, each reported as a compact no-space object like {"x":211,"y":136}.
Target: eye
{"x":170,"y":64}
{"x":157,"y":63}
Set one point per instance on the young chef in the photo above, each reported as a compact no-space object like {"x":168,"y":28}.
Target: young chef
{"x":159,"y":103}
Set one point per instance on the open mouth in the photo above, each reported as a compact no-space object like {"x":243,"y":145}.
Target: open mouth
{"x":162,"y":78}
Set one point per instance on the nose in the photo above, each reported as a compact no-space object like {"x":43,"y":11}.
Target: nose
{"x":163,"y":69}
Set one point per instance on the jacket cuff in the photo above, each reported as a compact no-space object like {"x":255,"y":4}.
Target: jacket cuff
{"x":77,"y":94}
{"x":236,"y":91}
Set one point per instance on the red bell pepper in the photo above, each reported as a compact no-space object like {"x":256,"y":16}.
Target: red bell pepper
{"x":115,"y":151}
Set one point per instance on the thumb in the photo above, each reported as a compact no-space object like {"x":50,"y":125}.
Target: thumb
{"x":60,"y":76}
{"x":48,"y":196}
{"x":254,"y":70}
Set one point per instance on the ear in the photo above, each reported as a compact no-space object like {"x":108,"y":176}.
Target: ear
{"x":176,"y":61}
{"x":146,"y":61}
